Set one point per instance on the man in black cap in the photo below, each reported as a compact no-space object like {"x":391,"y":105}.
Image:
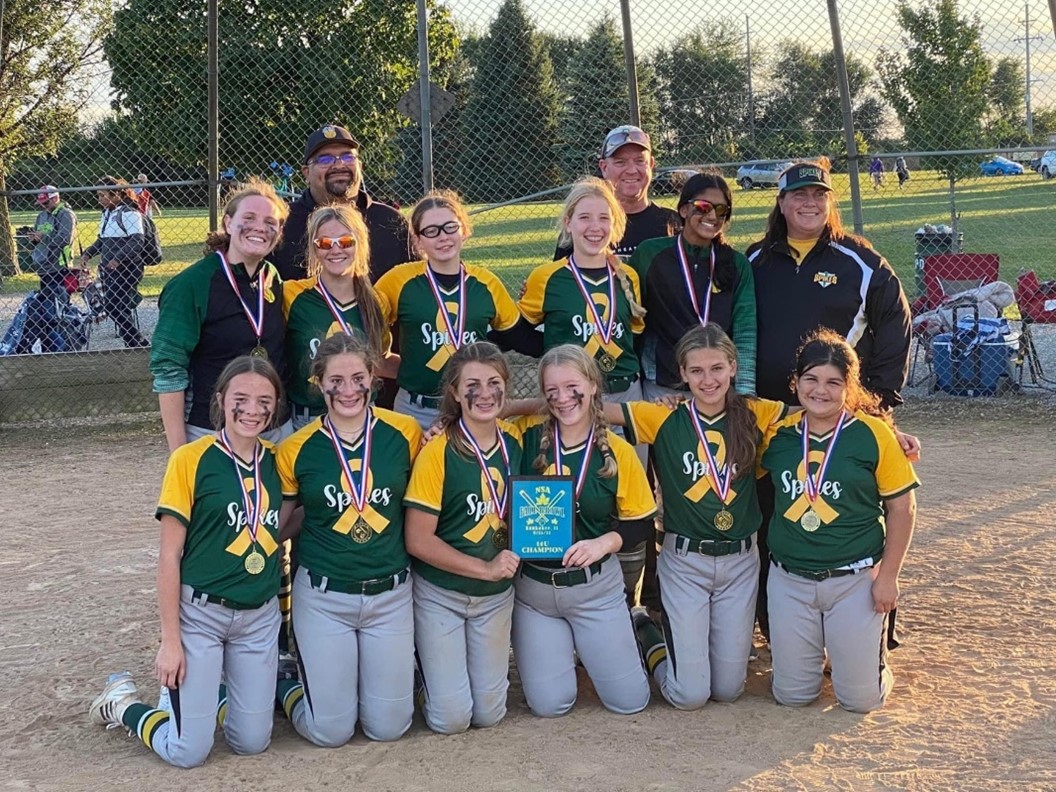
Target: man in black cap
{"x":334,"y":173}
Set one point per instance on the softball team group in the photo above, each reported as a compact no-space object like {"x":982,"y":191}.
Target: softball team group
{"x":405,"y":593}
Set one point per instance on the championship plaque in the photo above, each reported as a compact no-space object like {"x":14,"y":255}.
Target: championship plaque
{"x":542,"y":515}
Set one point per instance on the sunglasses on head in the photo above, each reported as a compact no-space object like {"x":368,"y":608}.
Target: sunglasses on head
{"x":722,"y":211}
{"x":433,"y":231}
{"x":345,"y":158}
{"x":344,"y":242}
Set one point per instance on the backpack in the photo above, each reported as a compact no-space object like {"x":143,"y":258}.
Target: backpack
{"x":151,"y":254}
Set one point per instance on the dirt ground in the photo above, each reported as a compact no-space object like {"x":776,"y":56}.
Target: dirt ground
{"x":973,"y":706}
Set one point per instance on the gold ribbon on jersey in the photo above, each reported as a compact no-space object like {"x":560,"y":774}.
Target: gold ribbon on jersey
{"x":454,"y":333}
{"x":364,"y":520}
{"x":588,"y":450}
{"x":254,"y":505}
{"x":687,"y":276}
{"x":721,"y":485}
{"x":810,"y":508}
{"x":346,"y":328}
{"x":255,"y":322}
{"x":497,"y":518}
{"x":605,"y":330}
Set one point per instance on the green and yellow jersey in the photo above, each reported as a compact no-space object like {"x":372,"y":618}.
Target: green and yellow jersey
{"x":867,"y":467}
{"x":201,"y":490}
{"x":552,"y":298}
{"x":691,"y":496}
{"x":625,"y":496}
{"x":309,"y":323}
{"x":450,"y":484}
{"x":311,"y":473}
{"x":425,"y":344}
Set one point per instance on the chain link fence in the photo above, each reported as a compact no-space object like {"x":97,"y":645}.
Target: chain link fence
{"x":939,"y":142}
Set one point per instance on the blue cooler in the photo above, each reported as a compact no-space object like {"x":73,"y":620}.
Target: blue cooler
{"x":968,"y":363}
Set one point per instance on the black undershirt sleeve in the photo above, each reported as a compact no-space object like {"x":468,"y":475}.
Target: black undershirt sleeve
{"x":522,"y":337}
{"x":634,"y":532}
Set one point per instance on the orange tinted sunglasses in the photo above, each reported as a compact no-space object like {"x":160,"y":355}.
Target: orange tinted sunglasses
{"x":326,"y":243}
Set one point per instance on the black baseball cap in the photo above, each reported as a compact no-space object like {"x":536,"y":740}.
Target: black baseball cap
{"x":804,"y":174}
{"x":325,"y":135}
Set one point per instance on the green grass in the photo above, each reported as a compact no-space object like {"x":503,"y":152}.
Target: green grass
{"x":1010,"y":216}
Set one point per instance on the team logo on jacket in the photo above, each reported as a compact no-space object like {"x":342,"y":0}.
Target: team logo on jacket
{"x":825,"y":279}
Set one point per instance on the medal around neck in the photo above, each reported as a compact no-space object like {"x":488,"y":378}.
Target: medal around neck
{"x":542,"y":516}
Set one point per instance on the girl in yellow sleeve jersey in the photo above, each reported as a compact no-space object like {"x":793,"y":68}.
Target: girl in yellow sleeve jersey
{"x":837,"y":469}
{"x":708,"y":572}
{"x":576,"y":605}
{"x":336,"y":298}
{"x":456,"y":531}
{"x":441,"y":304}
{"x":352,"y":603}
{"x":218,"y":576}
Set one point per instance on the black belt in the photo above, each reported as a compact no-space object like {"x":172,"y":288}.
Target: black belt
{"x":365,"y":588}
{"x":201,"y":598}
{"x":721,"y":547}
{"x":823,"y":574}
{"x":561,"y":578}
{"x":613,"y":384}
{"x":427,"y":402}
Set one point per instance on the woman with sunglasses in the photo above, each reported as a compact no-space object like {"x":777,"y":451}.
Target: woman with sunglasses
{"x":337,"y":297}
{"x":692,"y":279}
{"x":441,"y":304}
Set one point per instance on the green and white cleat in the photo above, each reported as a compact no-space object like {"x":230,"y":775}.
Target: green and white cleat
{"x":110,"y":705}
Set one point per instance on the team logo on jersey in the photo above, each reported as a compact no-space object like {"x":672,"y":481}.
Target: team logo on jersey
{"x":481,"y":508}
{"x":236,"y":520}
{"x":694,"y":466}
{"x":439,"y":341}
{"x":792,"y":484}
{"x":587,"y":331}
{"x":340,"y":498}
{"x":825,"y":279}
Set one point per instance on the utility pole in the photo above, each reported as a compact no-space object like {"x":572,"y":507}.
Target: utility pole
{"x":748,"y":66}
{"x":1029,"y":80}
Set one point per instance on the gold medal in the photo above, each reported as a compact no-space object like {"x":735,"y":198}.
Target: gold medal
{"x":501,"y":536}
{"x":723,"y":520}
{"x":361,"y":531}
{"x":259,"y":352}
{"x":607,"y":362}
{"x":254,"y":563}
{"x":810,"y":521}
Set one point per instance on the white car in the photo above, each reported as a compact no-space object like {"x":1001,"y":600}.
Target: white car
{"x":762,"y":174}
{"x":1047,"y":166}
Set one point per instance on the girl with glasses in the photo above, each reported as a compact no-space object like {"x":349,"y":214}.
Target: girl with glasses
{"x":337,"y":297}
{"x":440,"y":304}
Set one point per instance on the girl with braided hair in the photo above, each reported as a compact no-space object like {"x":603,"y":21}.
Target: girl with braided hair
{"x":576,"y":605}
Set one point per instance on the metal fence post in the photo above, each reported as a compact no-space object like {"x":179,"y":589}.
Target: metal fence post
{"x":213,"y":166}
{"x":848,"y":116}
{"x":633,"y":109}
{"x":423,"y":87}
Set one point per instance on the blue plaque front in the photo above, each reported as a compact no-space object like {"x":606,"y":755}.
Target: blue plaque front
{"x":542,"y":514}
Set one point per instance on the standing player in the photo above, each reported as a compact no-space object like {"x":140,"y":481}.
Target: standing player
{"x":576,"y":605}
{"x":337,"y":297}
{"x":842,"y":524}
{"x":218,"y":576}
{"x":456,"y":531}
{"x":441,"y":304}
{"x":352,"y":602}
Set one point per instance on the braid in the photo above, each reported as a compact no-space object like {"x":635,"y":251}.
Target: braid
{"x":546,"y":442}
{"x":601,"y":440}
{"x":637,"y":311}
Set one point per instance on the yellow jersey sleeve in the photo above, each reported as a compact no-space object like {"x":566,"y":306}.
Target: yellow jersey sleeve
{"x":177,"y":488}
{"x":286,"y":458}
{"x":405,"y":425}
{"x":531,"y":302}
{"x":767,"y":412}
{"x":634,"y":497}
{"x":506,"y":313}
{"x":425,"y":490}
{"x":894,"y":473}
{"x":644,"y":420}
{"x":291,"y":290}
{"x":390,"y":285}
{"x":637,"y":322}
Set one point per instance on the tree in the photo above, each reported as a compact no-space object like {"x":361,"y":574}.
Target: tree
{"x":285,"y":69}
{"x":46,"y":51}
{"x":510,"y":122}
{"x":1006,"y":123}
{"x":939,"y":87}
{"x":702,"y":90}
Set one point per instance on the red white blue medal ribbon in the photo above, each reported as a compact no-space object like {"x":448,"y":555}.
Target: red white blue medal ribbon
{"x":345,"y":328}
{"x":581,"y":477}
{"x":813,"y":484}
{"x":606,"y":330}
{"x":250,"y":504}
{"x":256,"y":322}
{"x":454,"y":333}
{"x":688,"y":277}
{"x":722,"y":483}
{"x":359,"y":492}
{"x":500,"y":503}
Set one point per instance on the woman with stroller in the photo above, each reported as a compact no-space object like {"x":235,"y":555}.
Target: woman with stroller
{"x":120,"y":250}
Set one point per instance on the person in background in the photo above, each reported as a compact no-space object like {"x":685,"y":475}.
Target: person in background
{"x":52,"y":237}
{"x":145,"y":198}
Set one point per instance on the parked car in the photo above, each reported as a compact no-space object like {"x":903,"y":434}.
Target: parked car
{"x":669,"y":181}
{"x":760,"y":174}
{"x":1047,"y":166}
{"x":1000,"y":166}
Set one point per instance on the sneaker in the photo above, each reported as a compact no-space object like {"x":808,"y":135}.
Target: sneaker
{"x":640,"y":617}
{"x":288,"y":666}
{"x":164,"y":701}
{"x":110,"y":705}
